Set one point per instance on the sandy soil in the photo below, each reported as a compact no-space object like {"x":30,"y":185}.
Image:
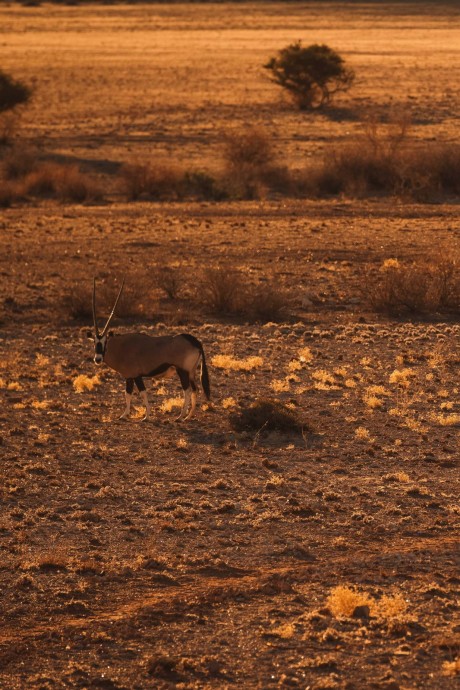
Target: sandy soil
{"x":161,"y":555}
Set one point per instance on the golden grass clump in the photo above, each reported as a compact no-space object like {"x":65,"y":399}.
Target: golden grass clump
{"x":40,"y":404}
{"x":363,"y":434}
{"x":452,"y":419}
{"x":305,"y":355}
{"x":401,"y":377}
{"x":231,"y":363}
{"x":451,"y":668}
{"x":280,"y":385}
{"x":84,"y":383}
{"x":372,"y":397}
{"x":343,"y":601}
{"x":323,"y":380}
{"x":170,"y":404}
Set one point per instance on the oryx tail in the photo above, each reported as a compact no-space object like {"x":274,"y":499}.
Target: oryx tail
{"x":204,"y":369}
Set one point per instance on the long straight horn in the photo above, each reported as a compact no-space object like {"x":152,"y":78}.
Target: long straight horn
{"x":94,"y":308}
{"x":113,"y":310}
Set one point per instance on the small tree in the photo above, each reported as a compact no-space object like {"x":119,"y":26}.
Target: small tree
{"x":312,"y":75}
{"x":12,"y":92}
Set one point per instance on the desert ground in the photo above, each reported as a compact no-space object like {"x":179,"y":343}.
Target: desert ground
{"x":165,"y":554}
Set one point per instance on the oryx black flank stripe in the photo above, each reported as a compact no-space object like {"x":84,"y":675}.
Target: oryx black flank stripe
{"x":159,"y":370}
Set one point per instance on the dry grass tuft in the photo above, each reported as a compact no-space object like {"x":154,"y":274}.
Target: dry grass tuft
{"x":170,"y":404}
{"x":231,"y":363}
{"x":451,"y":668}
{"x":343,"y":601}
{"x":84,"y":383}
{"x":265,"y":415}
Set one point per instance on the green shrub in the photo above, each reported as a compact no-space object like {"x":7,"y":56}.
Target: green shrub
{"x":312,"y":75}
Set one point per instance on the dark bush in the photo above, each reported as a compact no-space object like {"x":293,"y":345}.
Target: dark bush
{"x":12,"y":92}
{"x":265,"y":415}
{"x":312,"y":75}
{"x":161,"y":181}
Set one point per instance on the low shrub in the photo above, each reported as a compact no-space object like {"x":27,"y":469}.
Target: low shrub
{"x":266,"y":302}
{"x":384,"y":161}
{"x":63,"y":182}
{"x":266,"y":415}
{"x":162,"y":181}
{"x":138,"y":299}
{"x":17,"y":162}
{"x":222,"y":289}
{"x":227,"y":291}
{"x":201,"y":185}
{"x":251,"y":169}
{"x":420,"y":286}
{"x":9,"y":193}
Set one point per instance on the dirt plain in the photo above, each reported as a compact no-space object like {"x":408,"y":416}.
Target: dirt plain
{"x":158,"y":554}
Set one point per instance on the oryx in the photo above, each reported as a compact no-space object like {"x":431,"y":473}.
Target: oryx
{"x":137,"y":356}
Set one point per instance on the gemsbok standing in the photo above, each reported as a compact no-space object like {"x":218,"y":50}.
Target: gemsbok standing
{"x":137,"y":356}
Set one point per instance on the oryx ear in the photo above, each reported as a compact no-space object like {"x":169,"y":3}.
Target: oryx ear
{"x":89,"y":334}
{"x":110,"y":334}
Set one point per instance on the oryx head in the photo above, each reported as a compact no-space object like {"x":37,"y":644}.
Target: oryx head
{"x":100,"y":339}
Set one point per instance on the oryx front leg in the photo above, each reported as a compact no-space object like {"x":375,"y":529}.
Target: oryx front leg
{"x":128,"y":396}
{"x":141,"y":388}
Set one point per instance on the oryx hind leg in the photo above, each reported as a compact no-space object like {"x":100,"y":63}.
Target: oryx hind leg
{"x":192,"y":390}
{"x":141,"y":388}
{"x":193,"y":387}
{"x":186,"y":387}
{"x":128,"y":395}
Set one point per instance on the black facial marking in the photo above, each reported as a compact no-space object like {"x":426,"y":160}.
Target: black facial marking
{"x":139,"y":384}
{"x":99,"y":348}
